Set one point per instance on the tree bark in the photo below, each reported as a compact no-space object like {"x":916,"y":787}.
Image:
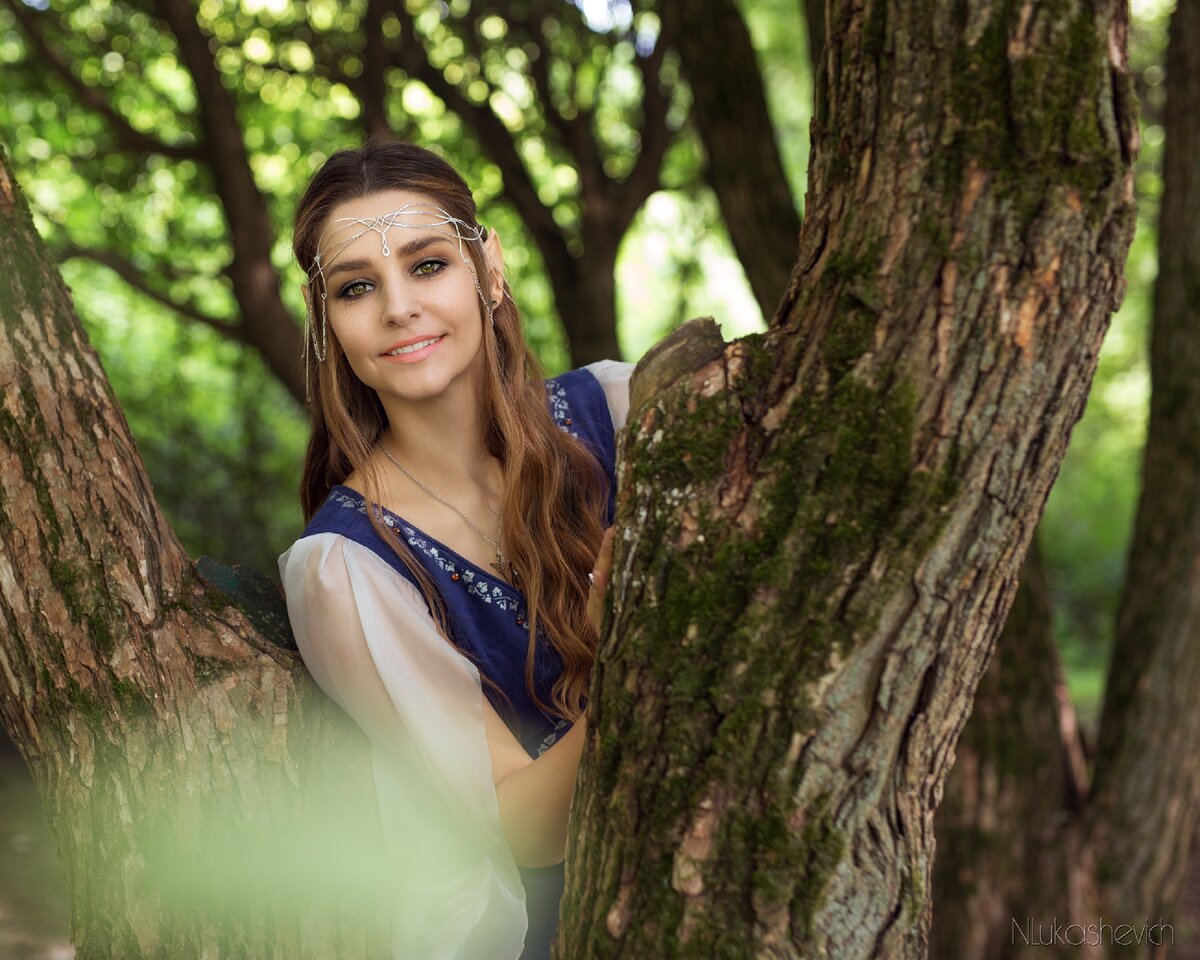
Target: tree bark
{"x":205,"y":799}
{"x":821,"y":527}
{"x":729,"y":108}
{"x":1147,"y":784}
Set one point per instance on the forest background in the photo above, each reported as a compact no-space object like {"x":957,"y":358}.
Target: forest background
{"x":144,"y":245}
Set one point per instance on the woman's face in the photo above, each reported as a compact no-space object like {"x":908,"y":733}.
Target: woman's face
{"x":410,"y":319}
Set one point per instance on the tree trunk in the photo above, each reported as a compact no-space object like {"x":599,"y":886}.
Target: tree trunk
{"x":744,"y":168}
{"x":1004,"y":828}
{"x":820,"y":528}
{"x":1147,"y":785}
{"x":814,"y":23}
{"x":205,"y":799}
{"x":1129,"y":846}
{"x":585,"y":289}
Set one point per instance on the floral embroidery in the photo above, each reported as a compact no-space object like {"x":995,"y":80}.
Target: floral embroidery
{"x":560,"y":409}
{"x":352,"y":503}
{"x":552,"y":738}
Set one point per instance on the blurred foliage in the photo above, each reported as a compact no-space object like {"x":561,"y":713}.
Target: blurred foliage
{"x":1089,"y":518}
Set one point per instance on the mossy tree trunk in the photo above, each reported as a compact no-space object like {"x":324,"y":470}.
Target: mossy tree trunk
{"x":204,"y":799}
{"x":1128,"y":837}
{"x":821,"y":527}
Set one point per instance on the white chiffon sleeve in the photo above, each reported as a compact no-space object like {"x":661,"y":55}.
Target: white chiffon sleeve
{"x":613,"y":376}
{"x":369,"y":642}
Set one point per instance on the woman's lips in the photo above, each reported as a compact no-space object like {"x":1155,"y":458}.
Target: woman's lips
{"x":416,"y":354}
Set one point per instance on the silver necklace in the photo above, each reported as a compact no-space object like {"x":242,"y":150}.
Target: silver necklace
{"x":501,"y":564}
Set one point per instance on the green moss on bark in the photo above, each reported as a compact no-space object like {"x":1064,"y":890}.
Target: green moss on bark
{"x":1032,"y":119}
{"x":85,"y":703}
{"x":134,"y":703}
{"x":692,"y":457}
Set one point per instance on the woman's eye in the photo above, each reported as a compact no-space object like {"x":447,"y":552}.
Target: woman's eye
{"x":434,"y":265}
{"x":358,"y":288}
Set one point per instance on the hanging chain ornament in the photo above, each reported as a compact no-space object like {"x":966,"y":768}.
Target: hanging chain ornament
{"x":501,"y":564}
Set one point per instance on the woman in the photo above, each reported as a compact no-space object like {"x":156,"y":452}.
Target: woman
{"x":443,"y":590}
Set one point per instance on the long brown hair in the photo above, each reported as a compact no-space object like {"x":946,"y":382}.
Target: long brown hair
{"x":554,"y":487}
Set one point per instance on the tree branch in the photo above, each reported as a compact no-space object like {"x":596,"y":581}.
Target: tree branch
{"x":730,"y":112}
{"x":265,"y":321}
{"x":371,"y":87}
{"x":540,"y":74}
{"x":643,"y":180}
{"x":581,"y":126}
{"x":136,"y":278}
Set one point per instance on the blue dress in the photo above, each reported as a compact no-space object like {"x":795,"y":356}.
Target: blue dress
{"x":487,"y":614}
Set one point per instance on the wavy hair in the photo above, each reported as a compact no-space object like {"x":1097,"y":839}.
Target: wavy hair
{"x":554,"y":488}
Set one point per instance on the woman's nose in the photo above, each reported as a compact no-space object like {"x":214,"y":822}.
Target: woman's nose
{"x":401,"y":297}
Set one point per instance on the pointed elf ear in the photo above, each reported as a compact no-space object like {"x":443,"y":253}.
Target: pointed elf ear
{"x":495,"y":261}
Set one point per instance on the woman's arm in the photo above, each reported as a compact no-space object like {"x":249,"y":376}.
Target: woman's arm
{"x":370,"y":643}
{"x":613,"y":377}
{"x":534,"y":796}
{"x":372,"y":651}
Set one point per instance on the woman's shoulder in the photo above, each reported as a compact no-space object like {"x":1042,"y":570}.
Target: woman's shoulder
{"x":342,"y":522}
{"x":597,"y":393}
{"x":599,"y":373}
{"x":610,"y":371}
{"x":344,"y":511}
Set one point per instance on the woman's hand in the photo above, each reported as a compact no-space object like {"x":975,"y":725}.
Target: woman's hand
{"x":600,"y":578}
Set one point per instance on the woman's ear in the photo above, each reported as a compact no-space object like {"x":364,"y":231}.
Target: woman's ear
{"x":495,"y":261}
{"x":307,"y":296}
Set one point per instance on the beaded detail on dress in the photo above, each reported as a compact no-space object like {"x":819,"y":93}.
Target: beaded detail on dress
{"x":477,"y":586}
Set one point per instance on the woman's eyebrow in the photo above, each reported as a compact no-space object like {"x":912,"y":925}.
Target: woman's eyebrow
{"x":413,"y":246}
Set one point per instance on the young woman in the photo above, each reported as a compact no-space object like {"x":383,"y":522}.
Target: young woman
{"x":447,"y":587}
